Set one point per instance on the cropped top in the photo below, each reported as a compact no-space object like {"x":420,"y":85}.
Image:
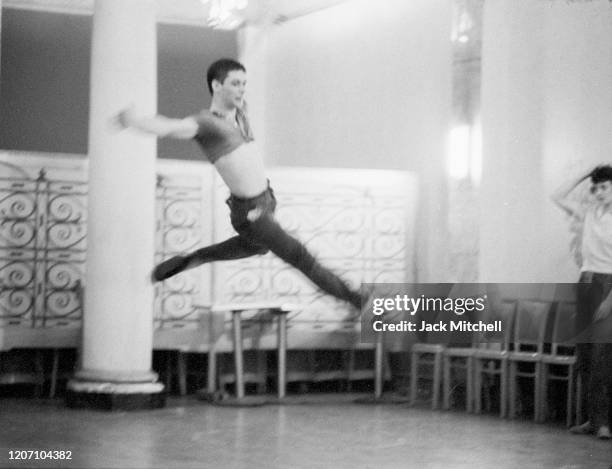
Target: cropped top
{"x":218,"y":137}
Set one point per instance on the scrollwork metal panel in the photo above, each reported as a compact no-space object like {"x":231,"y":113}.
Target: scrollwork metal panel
{"x":357,"y":223}
{"x":183,"y":224}
{"x":43,"y":218}
{"x":43,"y":231}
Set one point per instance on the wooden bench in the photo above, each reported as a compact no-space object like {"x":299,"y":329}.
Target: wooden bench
{"x":280,"y":310}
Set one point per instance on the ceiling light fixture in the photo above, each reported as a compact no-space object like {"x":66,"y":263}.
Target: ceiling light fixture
{"x":225,"y":14}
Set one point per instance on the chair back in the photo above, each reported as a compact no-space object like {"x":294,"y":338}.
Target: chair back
{"x":498,"y":340}
{"x":530,"y":325}
{"x":456,"y":338}
{"x":564,"y":329}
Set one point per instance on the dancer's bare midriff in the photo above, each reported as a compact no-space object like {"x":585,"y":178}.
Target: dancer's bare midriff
{"x":243,"y":171}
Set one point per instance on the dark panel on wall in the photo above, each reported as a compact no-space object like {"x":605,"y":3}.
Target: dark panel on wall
{"x":184,"y":55}
{"x":44,"y":95}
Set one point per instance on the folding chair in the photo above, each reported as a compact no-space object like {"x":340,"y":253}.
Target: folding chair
{"x":490,"y":358}
{"x":528,"y":348}
{"x":459,"y":356}
{"x":559,"y":364}
{"x":427,"y":353}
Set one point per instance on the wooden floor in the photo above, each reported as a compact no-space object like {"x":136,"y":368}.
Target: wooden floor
{"x":309,"y":432}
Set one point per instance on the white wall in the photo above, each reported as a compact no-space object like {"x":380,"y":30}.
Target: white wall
{"x":361,"y":84}
{"x":364,"y":84}
{"x":546,"y":113}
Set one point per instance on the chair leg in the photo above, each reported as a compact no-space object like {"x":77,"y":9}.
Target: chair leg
{"x":211,"y":379}
{"x":503,"y":384}
{"x":469,"y":384}
{"x":477,"y":386}
{"x":182,"y":372}
{"x":39,"y":373}
{"x":168,"y":370}
{"x":570,"y":396}
{"x":537,"y":393}
{"x":413,"y":378}
{"x":262,"y":372}
{"x":436,"y":381}
{"x":387,"y":370}
{"x":512,"y":388}
{"x":446,"y":382}
{"x":54,"y":372}
{"x":543,"y":394}
{"x":489,"y":371}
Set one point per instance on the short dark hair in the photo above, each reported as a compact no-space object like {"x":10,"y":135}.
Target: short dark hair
{"x":219,"y":69}
{"x":601,"y":174}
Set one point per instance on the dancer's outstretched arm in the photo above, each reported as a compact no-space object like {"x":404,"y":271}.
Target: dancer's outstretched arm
{"x":158,"y":125}
{"x":561,"y":195}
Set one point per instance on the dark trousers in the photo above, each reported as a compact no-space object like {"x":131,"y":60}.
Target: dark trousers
{"x":593,"y":348}
{"x":258,"y":233}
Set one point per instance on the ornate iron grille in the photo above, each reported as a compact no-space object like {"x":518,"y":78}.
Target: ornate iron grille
{"x":354,"y":222}
{"x":43,"y":228}
{"x":42,"y":250}
{"x":180,"y":216}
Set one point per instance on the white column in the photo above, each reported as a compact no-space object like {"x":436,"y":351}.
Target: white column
{"x":117,"y":326}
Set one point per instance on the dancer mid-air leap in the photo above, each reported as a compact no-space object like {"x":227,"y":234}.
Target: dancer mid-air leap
{"x":224,"y":135}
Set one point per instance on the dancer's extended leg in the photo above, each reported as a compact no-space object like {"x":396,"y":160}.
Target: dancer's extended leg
{"x":258,"y":231}
{"x":233,"y":248}
{"x":254,"y":220}
{"x":267,"y":232}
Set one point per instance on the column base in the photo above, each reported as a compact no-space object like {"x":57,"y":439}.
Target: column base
{"x":115,"y":396}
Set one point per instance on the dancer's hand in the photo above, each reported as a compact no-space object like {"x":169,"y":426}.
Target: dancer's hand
{"x":123,"y":119}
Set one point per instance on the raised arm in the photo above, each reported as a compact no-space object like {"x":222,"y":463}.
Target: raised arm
{"x":160,"y":126}
{"x":561,"y":195}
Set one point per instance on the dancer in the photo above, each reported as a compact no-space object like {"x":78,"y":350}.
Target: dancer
{"x":224,"y":135}
{"x":594,"y":295}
